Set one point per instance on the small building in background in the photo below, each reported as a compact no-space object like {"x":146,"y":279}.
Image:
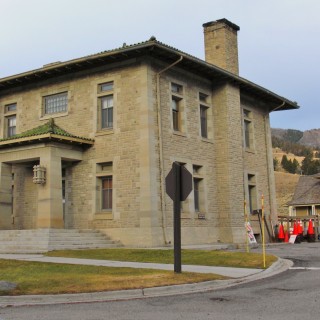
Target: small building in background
{"x":306,"y":198}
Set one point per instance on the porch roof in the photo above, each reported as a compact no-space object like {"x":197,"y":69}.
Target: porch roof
{"x":307,"y":191}
{"x":44,"y":133}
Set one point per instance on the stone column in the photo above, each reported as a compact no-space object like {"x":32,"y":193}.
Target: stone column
{"x":229,"y":163}
{"x":50,"y":209}
{"x":5,"y":196}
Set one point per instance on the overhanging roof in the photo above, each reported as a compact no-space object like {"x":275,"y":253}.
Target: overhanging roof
{"x":156,"y":50}
{"x":307,"y":191}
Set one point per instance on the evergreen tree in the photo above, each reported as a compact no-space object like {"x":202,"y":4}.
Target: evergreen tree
{"x":310,"y":166}
{"x":275,"y":164}
{"x":284,"y":161}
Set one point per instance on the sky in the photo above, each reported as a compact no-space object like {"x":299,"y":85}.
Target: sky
{"x":278,"y":41}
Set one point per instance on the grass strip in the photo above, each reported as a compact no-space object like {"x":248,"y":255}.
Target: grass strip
{"x":52,"y":278}
{"x":191,"y":257}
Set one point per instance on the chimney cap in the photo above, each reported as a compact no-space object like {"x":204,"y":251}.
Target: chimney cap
{"x":225,"y":21}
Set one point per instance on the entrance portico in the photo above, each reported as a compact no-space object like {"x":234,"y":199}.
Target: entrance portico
{"x":44,"y":200}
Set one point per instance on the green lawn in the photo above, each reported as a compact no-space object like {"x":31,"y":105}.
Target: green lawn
{"x":51,"y":278}
{"x":193,"y":257}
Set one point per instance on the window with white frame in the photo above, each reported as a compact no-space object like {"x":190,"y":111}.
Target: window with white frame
{"x":105,"y":105}
{"x":56,"y":103}
{"x":10,"y":120}
{"x":106,"y":112}
{"x":11,"y":125}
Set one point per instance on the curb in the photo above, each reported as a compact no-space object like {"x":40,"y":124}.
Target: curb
{"x":279,"y":266}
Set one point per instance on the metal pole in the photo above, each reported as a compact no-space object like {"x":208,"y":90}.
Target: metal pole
{"x":176,"y":218}
{"x":263,"y":240}
{"x":246,"y":224}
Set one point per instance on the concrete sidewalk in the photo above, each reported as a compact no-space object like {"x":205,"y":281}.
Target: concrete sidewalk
{"x":225,"y":271}
{"x":238,"y":275}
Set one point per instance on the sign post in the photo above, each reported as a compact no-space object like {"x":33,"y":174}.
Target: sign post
{"x":177,"y":218}
{"x":263,"y":240}
{"x":178,"y":187}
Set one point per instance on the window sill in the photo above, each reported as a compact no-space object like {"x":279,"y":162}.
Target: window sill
{"x":208,"y":140}
{"x":201,"y":216}
{"x":54,"y":115}
{"x":103,"y":174}
{"x":250,"y":150}
{"x":185,"y":215}
{"x":104,"y":132}
{"x":179,"y":133}
{"x":103,"y":216}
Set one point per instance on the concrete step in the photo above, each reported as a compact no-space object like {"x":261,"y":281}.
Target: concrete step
{"x":42,"y":240}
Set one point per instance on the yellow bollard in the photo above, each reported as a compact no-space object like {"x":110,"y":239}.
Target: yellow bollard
{"x":263,"y":240}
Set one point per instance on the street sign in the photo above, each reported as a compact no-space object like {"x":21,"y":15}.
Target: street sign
{"x":185,"y":183}
{"x":178,"y":187}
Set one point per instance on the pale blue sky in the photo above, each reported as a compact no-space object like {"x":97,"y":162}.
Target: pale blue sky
{"x":279,"y":45}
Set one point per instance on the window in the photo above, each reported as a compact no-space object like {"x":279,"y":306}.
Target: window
{"x":106,"y":112}
{"x":11,"y":126}
{"x":106,"y":193}
{"x":203,"y":97}
{"x":252,"y":192}
{"x":11,"y":107}
{"x":204,"y":121}
{"x":175,"y":114}
{"x":56,"y":103}
{"x":206,"y":130}
{"x":198,"y":190}
{"x":104,"y":187}
{"x":108,"y":86}
{"x":10,"y":120}
{"x":105,"y":105}
{"x":248,"y":129}
{"x":176,"y":88}
{"x":177,"y":106}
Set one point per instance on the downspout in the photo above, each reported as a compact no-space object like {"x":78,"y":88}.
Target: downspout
{"x":268,"y":162}
{"x":162,"y":178}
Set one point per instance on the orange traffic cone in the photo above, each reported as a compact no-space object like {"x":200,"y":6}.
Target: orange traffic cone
{"x":310,"y":234}
{"x":295,"y":229}
{"x":310,"y":227}
{"x":286,"y":236}
{"x":281,"y":233}
{"x":300,"y":228}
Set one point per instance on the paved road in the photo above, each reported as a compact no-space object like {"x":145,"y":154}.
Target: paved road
{"x":294,"y":294}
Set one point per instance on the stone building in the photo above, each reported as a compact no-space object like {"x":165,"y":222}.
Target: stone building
{"x":87,"y":143}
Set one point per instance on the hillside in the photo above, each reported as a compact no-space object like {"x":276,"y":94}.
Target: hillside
{"x":311,"y":138}
{"x":308,"y":138}
{"x":295,"y":145}
{"x":285,"y":187}
{"x":278,"y":154}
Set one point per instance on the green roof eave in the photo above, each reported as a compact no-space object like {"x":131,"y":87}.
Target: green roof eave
{"x":46,"y":132}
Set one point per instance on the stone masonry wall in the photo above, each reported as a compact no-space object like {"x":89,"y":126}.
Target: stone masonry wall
{"x":132,"y":146}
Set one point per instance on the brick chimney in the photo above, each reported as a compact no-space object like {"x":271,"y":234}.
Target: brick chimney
{"x":221,"y":44}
